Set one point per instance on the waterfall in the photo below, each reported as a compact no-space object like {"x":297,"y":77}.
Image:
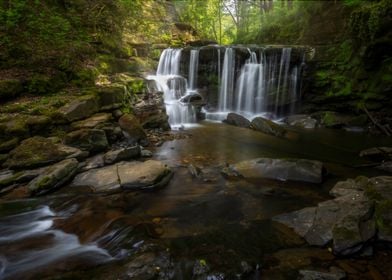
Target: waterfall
{"x":193,"y":69}
{"x":175,"y":87}
{"x":227,"y":81}
{"x":252,"y":81}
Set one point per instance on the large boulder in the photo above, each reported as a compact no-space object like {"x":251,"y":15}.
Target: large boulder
{"x":98,"y":180}
{"x":93,"y":121}
{"x":79,"y":109}
{"x":39,"y":151}
{"x":268,"y":127}
{"x":151,"y":111}
{"x":280,"y":169}
{"x":237,"y":120}
{"x":92,"y":140}
{"x":54,"y":177}
{"x":132,"y":128}
{"x":362,"y":208}
{"x":143,"y":175}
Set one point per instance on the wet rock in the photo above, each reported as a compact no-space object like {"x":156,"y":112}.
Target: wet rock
{"x":360,"y":210}
{"x":333,"y":274}
{"x":3,"y":158}
{"x":117,"y":114}
{"x":194,"y":170}
{"x":301,"y":221}
{"x":237,"y":120}
{"x":122,"y":154}
{"x":8,"y":145}
{"x":377,"y":153}
{"x":150,"y":265}
{"x":92,"y":140}
{"x":9,"y":177}
{"x":280,"y":169}
{"x":98,"y":180}
{"x":303,"y":121}
{"x":385,"y":166}
{"x":39,"y":151}
{"x":268,"y":127}
{"x":111,"y":97}
{"x":143,"y":175}
{"x":93,"y":121}
{"x":332,"y":119}
{"x":79,"y":109}
{"x":151,"y":113}
{"x":132,"y":128}
{"x":54,"y":177}
{"x":10,"y":88}
{"x":194,"y":99}
{"x":93,"y":162}
{"x":146,"y":153}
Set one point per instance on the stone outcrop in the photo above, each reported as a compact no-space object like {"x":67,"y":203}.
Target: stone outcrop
{"x":360,"y":211}
{"x":79,"y":109}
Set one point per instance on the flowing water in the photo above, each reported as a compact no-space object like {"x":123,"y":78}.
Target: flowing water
{"x":74,"y":235}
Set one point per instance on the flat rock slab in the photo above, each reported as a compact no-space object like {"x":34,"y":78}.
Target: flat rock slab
{"x":280,"y":169}
{"x":93,"y":121}
{"x":99,"y":180}
{"x":79,"y":109}
{"x":127,"y":175}
{"x":141,"y":175}
{"x":122,"y":154}
{"x":54,"y":176}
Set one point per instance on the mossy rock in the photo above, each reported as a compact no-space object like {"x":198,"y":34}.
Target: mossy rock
{"x":111,"y":97}
{"x":8,"y":145}
{"x":54,"y":177}
{"x":268,"y":127}
{"x":10,"y":88}
{"x":78,"y":109}
{"x":92,"y":140}
{"x":15,"y":127}
{"x":35,"y":152}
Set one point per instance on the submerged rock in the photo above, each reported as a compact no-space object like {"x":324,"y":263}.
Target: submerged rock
{"x":377,"y":153}
{"x":54,"y":176}
{"x":237,"y":120}
{"x":39,"y":151}
{"x":280,"y":169}
{"x":268,"y":127}
{"x":333,"y":274}
{"x":92,"y":140}
{"x":143,"y":175}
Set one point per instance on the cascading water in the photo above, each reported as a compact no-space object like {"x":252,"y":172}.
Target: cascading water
{"x":175,"y":87}
{"x":251,"y":82}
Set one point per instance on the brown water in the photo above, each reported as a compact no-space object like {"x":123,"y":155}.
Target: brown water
{"x":220,"y":222}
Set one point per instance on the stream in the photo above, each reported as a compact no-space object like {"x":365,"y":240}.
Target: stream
{"x":200,"y":224}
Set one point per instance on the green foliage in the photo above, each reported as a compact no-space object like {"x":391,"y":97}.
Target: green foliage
{"x":367,"y":20}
